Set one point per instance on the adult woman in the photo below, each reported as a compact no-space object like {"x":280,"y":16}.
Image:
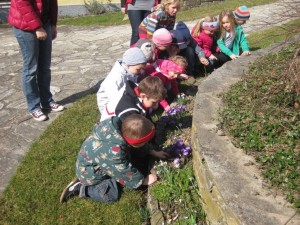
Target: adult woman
{"x":34,"y":23}
{"x":137,"y":10}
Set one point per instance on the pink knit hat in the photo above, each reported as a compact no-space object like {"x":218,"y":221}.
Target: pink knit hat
{"x":162,"y":37}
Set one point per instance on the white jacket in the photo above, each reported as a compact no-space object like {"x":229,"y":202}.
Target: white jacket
{"x":113,"y":85}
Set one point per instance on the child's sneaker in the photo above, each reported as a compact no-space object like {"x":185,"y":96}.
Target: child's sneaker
{"x":53,"y":106}
{"x":71,"y":190}
{"x":38,"y":115}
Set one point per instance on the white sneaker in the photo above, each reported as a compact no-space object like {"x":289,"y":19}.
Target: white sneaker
{"x":53,"y":106}
{"x":38,"y":115}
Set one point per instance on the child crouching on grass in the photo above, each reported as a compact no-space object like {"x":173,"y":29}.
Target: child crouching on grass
{"x":168,"y":70}
{"x":104,"y":160}
{"x":129,"y":68}
{"x":142,"y":99}
{"x":232,"y":38}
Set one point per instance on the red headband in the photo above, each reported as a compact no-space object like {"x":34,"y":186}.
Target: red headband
{"x":141,"y":140}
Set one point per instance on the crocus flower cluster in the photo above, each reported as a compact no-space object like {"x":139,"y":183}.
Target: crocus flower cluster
{"x":171,"y":114}
{"x":175,"y":110}
{"x":177,"y":150}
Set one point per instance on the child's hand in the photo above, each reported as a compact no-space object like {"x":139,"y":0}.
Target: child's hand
{"x":167,"y":108}
{"x":233,"y":56}
{"x":204,"y":61}
{"x":212,"y":57}
{"x":246,"y":53}
{"x":180,"y":95}
{"x":160,"y":154}
{"x":123,"y":10}
{"x":150,"y":179}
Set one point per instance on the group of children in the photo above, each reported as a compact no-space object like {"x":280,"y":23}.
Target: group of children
{"x":117,"y":150}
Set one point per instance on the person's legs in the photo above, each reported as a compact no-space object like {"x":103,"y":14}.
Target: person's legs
{"x":191,"y":58}
{"x":44,"y":72}
{"x":135,"y":18}
{"x":106,"y":191}
{"x":29,"y":46}
{"x":222,"y":58}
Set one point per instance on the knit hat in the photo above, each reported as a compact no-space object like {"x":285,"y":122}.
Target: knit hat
{"x":178,"y":39}
{"x":162,"y":37}
{"x":182,"y":27}
{"x":134,"y":56}
{"x":242,"y":13}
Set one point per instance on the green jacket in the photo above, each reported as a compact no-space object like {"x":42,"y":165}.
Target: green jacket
{"x":104,"y":153}
{"x":240,"y":41}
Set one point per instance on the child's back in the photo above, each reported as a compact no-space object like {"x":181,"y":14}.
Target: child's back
{"x":163,"y":16}
{"x":133,"y":61}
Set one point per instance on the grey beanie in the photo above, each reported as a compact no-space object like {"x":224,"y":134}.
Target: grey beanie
{"x":134,"y":56}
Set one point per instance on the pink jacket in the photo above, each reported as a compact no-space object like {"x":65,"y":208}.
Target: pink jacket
{"x":207,"y":43}
{"x":170,"y":85}
{"x":26,"y":14}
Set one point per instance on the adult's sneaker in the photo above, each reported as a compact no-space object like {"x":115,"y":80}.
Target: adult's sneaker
{"x":55,"y":107}
{"x":38,"y":115}
{"x":71,"y":190}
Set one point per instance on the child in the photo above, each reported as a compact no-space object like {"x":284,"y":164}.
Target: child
{"x":188,"y":47}
{"x":168,"y":71}
{"x":139,"y":99}
{"x":131,"y":65}
{"x":231,"y":38}
{"x":163,"y":16}
{"x":204,"y":34}
{"x":161,"y":40}
{"x":241,"y":15}
{"x":103,"y":160}
{"x":142,"y":99}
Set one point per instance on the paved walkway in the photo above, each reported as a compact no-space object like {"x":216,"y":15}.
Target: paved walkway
{"x":81,"y":59}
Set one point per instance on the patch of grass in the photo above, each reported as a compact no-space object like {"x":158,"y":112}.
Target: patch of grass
{"x":263,"y":39}
{"x":33,"y":194}
{"x":215,"y":9}
{"x":116,"y":18}
{"x":262,"y":116}
{"x":177,"y":193}
{"x":109,"y":19}
{"x":177,"y":190}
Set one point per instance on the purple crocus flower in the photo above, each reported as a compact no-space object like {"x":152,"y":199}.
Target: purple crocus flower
{"x":175,"y":110}
{"x":176,"y":162}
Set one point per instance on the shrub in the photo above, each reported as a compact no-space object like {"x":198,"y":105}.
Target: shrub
{"x":94,"y":7}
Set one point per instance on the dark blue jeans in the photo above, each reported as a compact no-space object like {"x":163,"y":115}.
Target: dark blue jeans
{"x":135,"y":18}
{"x":192,"y":59}
{"x":36,"y":73}
{"x":106,"y":191}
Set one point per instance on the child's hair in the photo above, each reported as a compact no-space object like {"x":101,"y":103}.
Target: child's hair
{"x":137,"y":129}
{"x":180,"y":60}
{"x":165,"y":3}
{"x":229,"y":14}
{"x":152,"y":87}
{"x":199,"y":27}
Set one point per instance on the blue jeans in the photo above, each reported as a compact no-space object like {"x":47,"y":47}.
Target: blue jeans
{"x":135,"y":18}
{"x":106,"y":191}
{"x":36,"y":73}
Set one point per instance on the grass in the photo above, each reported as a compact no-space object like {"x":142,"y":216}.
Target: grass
{"x":262,"y":116}
{"x":116,"y":18}
{"x":33,"y":193}
{"x":263,"y":39}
